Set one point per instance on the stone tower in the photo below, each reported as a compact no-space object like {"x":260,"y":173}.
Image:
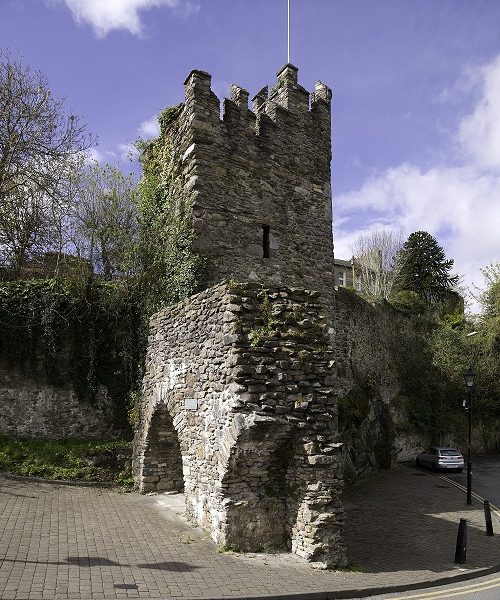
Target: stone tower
{"x":238,"y":406}
{"x":259,"y":180}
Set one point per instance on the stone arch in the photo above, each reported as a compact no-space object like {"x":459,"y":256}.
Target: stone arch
{"x":159,"y":456}
{"x":263,"y":494}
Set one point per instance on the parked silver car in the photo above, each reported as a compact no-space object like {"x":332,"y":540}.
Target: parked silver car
{"x":438,"y":457}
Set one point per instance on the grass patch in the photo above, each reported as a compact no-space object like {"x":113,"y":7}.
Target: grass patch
{"x":74,"y":459}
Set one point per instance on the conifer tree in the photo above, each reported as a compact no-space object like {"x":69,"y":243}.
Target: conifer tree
{"x":426,"y":270}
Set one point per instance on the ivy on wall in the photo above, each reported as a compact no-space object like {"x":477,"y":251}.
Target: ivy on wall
{"x":91,"y":333}
{"x":170,"y":269}
{"x":62,"y":333}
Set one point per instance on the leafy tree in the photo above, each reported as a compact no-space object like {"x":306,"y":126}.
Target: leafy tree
{"x":104,"y":219}
{"x":490,"y":297}
{"x":40,"y":146}
{"x":378,"y":260}
{"x":454,"y":351}
{"x":425,"y":269}
{"x":410,"y":303}
{"x":487,"y":343}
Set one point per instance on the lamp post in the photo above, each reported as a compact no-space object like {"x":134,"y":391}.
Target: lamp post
{"x":469,"y":377}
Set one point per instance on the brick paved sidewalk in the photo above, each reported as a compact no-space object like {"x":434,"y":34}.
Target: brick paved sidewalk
{"x":74,"y":543}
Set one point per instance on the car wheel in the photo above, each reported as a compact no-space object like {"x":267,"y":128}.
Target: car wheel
{"x":434,"y":468}
{"x":417,"y":462}
{"x":459,"y":470}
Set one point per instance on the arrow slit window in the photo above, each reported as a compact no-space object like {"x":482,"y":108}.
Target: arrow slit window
{"x":266,"y":241}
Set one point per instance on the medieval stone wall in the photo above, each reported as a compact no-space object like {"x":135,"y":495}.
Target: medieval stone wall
{"x":32,"y":406}
{"x":238,"y":405}
{"x":258,"y":181}
{"x":372,"y":343}
{"x":239,"y":396}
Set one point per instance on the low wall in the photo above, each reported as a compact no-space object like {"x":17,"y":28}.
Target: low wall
{"x":32,"y":407}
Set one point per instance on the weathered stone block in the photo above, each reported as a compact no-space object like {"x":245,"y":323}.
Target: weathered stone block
{"x":150,"y":478}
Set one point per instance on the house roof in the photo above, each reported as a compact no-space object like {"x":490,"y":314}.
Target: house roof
{"x":338,"y":262}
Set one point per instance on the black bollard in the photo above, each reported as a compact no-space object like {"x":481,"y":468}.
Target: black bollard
{"x":461,"y":551}
{"x":487,"y":518}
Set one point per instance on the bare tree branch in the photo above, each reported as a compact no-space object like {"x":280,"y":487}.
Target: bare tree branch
{"x":40,"y":148}
{"x":378,"y":261}
{"x":104,"y":219}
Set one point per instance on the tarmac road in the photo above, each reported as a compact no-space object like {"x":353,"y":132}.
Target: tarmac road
{"x":483,"y":588}
{"x":485,"y":477}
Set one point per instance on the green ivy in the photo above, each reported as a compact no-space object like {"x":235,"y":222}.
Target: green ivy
{"x":57,"y":332}
{"x":168,"y":116}
{"x":91,"y":332}
{"x":171,"y":269}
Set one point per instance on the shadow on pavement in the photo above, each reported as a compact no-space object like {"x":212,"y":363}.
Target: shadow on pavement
{"x":101,"y":561}
{"x":407,"y":520}
{"x":179,"y":567}
{"x":3,"y":492}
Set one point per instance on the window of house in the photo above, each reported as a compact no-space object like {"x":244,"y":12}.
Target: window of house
{"x":266,"y":242}
{"x":341,"y":277}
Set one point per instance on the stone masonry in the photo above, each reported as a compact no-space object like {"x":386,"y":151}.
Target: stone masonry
{"x":238,"y":406}
{"x":30,"y":405}
{"x":238,"y":409}
{"x":258,"y":181}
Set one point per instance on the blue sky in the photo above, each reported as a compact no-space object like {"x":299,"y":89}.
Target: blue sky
{"x":416,"y":111}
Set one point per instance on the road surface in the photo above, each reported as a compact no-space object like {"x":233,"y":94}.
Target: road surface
{"x":484,"y":588}
{"x":485,"y":477}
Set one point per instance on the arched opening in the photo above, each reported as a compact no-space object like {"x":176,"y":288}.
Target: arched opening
{"x":162,"y":459}
{"x":262,"y":489}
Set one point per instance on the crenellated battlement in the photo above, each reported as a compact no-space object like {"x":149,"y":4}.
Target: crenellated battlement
{"x":286,"y":94}
{"x":259,"y":179}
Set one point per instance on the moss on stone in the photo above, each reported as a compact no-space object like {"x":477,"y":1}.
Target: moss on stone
{"x":355,"y":406}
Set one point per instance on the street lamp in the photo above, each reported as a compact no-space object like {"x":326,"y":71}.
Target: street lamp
{"x":469,"y":377}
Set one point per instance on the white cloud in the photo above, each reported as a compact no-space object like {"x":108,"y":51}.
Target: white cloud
{"x":100,"y":156}
{"x":105,"y":15}
{"x":149,"y":129}
{"x":124,"y":151}
{"x":93,"y":154}
{"x":459,"y":205}
{"x":127,"y":151}
{"x":479,"y":132}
